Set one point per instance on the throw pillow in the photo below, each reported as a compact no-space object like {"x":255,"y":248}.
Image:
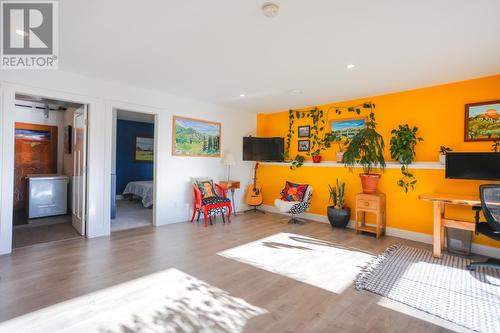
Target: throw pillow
{"x":294,"y":192}
{"x":206,"y":188}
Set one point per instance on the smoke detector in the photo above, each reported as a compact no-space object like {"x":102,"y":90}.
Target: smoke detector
{"x":270,"y":9}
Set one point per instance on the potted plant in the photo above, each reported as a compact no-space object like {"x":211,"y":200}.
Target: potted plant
{"x":338,"y":214}
{"x":367,"y":148}
{"x":443,"y":150}
{"x":341,"y":142}
{"x":403,"y":142}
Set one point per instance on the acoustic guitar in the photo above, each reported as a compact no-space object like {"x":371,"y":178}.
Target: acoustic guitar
{"x":254,"y":192}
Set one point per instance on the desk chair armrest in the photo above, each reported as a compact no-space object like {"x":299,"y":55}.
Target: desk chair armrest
{"x":221,"y":191}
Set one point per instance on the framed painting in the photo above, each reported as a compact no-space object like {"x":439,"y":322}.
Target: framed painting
{"x":304,"y":131}
{"x":482,"y":121}
{"x":195,"y":137}
{"x":347,"y":127}
{"x":304,"y":145}
{"x":144,"y":147}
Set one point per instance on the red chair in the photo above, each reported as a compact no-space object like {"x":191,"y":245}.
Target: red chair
{"x":208,"y":205}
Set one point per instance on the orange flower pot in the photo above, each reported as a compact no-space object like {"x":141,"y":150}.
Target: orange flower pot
{"x":369,"y":182}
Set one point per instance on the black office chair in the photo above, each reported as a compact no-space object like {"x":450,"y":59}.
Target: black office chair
{"x":490,"y":204}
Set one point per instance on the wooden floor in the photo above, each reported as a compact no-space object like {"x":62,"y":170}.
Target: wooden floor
{"x":45,"y":274}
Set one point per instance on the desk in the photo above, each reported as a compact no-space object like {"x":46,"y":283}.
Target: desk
{"x":439,"y":200}
{"x":230,"y":185}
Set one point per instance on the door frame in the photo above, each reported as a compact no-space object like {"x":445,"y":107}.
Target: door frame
{"x":111,"y":108}
{"x":95,"y":175}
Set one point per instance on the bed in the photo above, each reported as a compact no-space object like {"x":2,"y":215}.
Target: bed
{"x":142,"y":189}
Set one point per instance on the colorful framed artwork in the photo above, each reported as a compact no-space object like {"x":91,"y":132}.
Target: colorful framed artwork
{"x":482,"y":121}
{"x":347,"y":127}
{"x":144,"y":149}
{"x":304,"y":131}
{"x":195,"y":137}
{"x":304,"y":145}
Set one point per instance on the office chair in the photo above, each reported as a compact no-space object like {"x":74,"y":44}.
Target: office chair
{"x":490,"y":204}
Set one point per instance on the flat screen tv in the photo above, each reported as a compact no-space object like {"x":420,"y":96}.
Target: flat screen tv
{"x":482,"y":166}
{"x":263,"y":149}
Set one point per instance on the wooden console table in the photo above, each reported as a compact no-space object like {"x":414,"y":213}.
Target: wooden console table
{"x":439,"y":200}
{"x":231,"y":185}
{"x":370,"y":203}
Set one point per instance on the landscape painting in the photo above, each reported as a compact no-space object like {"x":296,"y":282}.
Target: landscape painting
{"x":193,"y":137}
{"x":347,"y":127}
{"x":482,"y":121}
{"x":144,"y":149}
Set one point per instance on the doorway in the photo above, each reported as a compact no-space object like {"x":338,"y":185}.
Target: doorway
{"x":132,"y":168}
{"x":49,"y":170}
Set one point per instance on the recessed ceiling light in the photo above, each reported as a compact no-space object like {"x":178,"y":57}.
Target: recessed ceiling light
{"x":295,"y":92}
{"x":351,"y":66}
{"x":20,"y":32}
{"x":242,"y":95}
{"x":270,"y":9}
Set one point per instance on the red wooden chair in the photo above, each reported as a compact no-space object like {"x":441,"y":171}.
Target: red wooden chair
{"x":208,"y":205}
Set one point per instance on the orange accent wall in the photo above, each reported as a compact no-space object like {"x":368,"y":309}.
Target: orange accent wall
{"x":438,"y":111}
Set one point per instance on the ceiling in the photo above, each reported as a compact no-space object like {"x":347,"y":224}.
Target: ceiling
{"x":216,"y":50}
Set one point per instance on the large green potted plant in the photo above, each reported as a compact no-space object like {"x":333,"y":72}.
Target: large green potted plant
{"x":338,"y":214}
{"x":403,"y":142}
{"x":367,"y":149}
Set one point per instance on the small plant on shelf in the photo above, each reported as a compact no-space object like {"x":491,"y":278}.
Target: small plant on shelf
{"x":403,"y":142}
{"x":338,"y":214}
{"x":297,"y":162}
{"x":367,"y":149}
{"x":443,"y":150}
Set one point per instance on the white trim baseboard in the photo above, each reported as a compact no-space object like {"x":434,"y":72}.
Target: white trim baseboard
{"x":484,"y":250}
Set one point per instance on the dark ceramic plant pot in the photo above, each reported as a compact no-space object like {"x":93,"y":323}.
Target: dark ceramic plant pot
{"x":339,"y":218}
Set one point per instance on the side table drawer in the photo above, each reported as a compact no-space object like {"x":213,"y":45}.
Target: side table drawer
{"x":366,"y":204}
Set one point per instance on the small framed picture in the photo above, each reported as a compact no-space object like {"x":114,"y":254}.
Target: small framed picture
{"x":304,"y":145}
{"x":144,"y":149}
{"x":482,"y":121}
{"x":304,"y":131}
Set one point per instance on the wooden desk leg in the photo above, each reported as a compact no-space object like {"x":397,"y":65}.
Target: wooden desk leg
{"x":437,"y":234}
{"x":443,"y":236}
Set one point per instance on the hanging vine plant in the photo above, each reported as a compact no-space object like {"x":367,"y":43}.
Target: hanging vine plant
{"x":319,"y":140}
{"x":403,"y":142}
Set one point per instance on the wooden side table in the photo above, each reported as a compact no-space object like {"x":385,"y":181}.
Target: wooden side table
{"x":231,"y":185}
{"x":370,"y":203}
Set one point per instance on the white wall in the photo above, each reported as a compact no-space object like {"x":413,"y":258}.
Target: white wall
{"x":173,"y":174}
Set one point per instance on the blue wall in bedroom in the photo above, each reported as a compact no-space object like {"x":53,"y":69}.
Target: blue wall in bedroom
{"x":126,"y":169}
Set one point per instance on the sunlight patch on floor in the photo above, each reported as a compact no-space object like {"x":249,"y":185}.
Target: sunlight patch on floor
{"x":313,"y":261}
{"x":168,"y":301}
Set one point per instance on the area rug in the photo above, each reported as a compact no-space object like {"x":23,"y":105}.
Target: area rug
{"x":168,"y":302}
{"x":314,"y":261}
{"x":442,"y":287}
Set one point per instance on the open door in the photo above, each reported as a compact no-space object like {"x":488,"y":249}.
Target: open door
{"x":79,"y":169}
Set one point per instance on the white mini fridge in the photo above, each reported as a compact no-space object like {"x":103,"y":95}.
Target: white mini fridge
{"x":47,"y":195}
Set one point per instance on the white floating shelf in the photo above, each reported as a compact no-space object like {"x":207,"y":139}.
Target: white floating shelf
{"x":389,"y":165}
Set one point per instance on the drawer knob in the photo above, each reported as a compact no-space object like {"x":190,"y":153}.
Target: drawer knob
{"x":367,"y":203}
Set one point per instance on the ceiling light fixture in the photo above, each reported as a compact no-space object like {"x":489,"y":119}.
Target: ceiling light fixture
{"x":295,"y":92}
{"x":242,"y":95}
{"x":270,"y":9}
{"x":20,"y":32}
{"x":351,"y":66}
